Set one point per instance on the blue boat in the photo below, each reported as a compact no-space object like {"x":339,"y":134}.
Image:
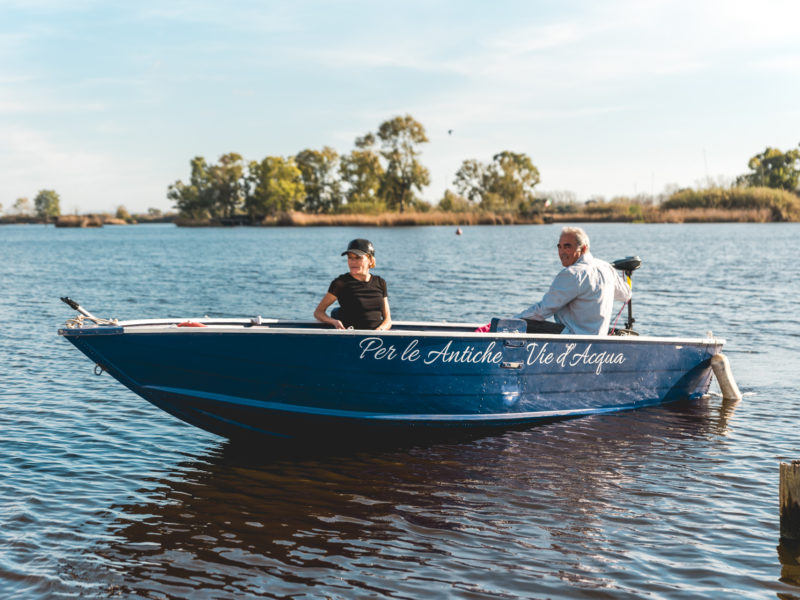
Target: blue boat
{"x":295,"y":379}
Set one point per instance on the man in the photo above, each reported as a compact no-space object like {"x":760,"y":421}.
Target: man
{"x":582,"y":295}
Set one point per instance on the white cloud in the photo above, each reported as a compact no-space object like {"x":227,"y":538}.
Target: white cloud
{"x":788,"y":63}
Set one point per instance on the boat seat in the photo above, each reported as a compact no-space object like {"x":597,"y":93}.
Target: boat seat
{"x":535,"y":326}
{"x":500,"y":325}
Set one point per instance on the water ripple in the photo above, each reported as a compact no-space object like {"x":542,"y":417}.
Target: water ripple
{"x":103,"y":495}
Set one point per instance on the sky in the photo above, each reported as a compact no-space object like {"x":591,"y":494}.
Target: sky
{"x":106,"y":102}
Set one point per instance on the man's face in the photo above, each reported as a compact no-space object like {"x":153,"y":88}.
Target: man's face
{"x":568,"y":250}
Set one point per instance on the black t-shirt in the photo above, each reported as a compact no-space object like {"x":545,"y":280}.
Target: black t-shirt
{"x":361,"y":301}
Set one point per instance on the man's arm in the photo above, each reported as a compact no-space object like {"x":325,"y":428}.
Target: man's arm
{"x":562,"y":291}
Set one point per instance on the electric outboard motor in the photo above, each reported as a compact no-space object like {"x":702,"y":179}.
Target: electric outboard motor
{"x":628,"y":265}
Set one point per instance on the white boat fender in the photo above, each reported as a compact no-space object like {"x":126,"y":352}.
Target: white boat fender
{"x":724,"y":375}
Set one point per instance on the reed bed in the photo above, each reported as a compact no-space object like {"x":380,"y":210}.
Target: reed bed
{"x":611,"y":214}
{"x":88,"y":220}
{"x":717,"y":215}
{"x":405,"y":219}
{"x":675,"y":215}
{"x":782,"y":205}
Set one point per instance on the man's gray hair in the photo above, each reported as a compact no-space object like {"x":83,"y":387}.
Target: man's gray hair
{"x":580,"y":236}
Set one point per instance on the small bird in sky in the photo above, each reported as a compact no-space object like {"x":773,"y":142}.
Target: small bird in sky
{"x":449,"y":132}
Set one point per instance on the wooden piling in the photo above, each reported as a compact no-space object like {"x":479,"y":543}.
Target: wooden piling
{"x":789,"y":496}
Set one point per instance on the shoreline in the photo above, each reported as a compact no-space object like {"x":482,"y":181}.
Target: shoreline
{"x":415,"y":219}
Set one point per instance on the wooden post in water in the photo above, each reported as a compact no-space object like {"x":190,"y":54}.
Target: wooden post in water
{"x":789,"y":495}
{"x":789,"y":546}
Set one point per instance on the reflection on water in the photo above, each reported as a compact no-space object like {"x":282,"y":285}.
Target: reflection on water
{"x":789,"y":556}
{"x":250,"y":521}
{"x":726,"y":410}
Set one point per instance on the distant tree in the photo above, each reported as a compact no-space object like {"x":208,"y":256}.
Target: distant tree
{"x":452,"y":202}
{"x":47,"y":203}
{"x":323,"y":187}
{"x":122,"y":213}
{"x":276,"y":185}
{"x":470,"y":180}
{"x":186,"y":198}
{"x":511,"y":177}
{"x":22,"y":206}
{"x":1,"y":208}
{"x":400,"y":138}
{"x":505,"y":184}
{"x":229,"y":184}
{"x":361,"y":172}
{"x":196,"y":199}
{"x":154,"y":212}
{"x":773,"y":168}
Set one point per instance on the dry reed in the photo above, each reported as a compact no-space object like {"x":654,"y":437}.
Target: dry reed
{"x":406,"y":219}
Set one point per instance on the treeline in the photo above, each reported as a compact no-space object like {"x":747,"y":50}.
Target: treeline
{"x":46,"y":208}
{"x":382,"y":173}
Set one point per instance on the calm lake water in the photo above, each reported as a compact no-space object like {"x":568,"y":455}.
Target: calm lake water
{"x":103,"y":495}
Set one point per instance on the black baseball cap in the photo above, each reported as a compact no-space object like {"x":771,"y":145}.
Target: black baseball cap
{"x":360,"y":247}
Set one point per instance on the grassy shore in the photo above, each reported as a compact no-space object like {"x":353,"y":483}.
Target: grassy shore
{"x":88,"y":220}
{"x":679,"y":215}
{"x":417,"y":219}
{"x":405,"y":219}
{"x":713,"y":205}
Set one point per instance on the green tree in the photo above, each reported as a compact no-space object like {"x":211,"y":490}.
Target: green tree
{"x":451,"y":202}
{"x":122,"y":213}
{"x":228,"y":183}
{"x":511,"y":177}
{"x":195,"y":199}
{"x":400,"y":138}
{"x":47,"y":204}
{"x":319,"y":170}
{"x":361,"y":171}
{"x":505,"y":184}
{"x":773,"y":168}
{"x":276,"y":186}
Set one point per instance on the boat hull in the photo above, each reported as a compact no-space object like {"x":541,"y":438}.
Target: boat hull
{"x":296,"y":381}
